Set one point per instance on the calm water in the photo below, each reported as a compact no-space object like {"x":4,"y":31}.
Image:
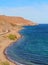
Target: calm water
{"x":32,"y":47}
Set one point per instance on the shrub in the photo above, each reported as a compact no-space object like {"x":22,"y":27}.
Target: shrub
{"x":4,"y":63}
{"x":12,"y":36}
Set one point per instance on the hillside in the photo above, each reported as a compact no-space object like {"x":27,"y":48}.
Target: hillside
{"x":7,"y":23}
{"x":16,"y":20}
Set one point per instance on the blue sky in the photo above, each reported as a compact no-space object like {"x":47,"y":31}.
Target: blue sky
{"x":34,"y":10}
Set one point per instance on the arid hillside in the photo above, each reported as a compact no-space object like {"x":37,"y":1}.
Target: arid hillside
{"x":15,"y":20}
{"x":7,"y":22}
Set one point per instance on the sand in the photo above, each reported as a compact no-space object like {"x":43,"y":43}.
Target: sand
{"x":5,"y":42}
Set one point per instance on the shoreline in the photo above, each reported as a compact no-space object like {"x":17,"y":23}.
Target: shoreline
{"x":6,"y":43}
{"x":5,"y":53}
{"x":15,"y":63}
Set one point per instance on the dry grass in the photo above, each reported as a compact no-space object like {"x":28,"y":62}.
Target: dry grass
{"x":4,"y":63}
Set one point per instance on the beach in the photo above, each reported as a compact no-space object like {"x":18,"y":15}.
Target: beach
{"x":5,"y":42}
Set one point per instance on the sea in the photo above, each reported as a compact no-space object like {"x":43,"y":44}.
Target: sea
{"x":32,"y":47}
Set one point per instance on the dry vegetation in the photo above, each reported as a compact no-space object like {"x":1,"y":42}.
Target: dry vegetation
{"x":4,"y":63}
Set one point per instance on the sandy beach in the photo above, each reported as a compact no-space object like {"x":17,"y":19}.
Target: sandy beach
{"x":5,"y":42}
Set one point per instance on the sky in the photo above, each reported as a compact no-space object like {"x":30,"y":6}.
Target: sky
{"x":34,"y":10}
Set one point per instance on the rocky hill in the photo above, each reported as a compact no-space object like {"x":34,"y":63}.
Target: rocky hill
{"x":7,"y":22}
{"x":16,"y":20}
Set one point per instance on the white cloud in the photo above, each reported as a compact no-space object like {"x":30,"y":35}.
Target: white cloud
{"x":38,"y":13}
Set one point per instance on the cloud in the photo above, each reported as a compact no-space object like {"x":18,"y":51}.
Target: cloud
{"x":37,"y":13}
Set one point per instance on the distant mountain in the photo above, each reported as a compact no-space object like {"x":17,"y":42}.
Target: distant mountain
{"x":16,"y":20}
{"x":7,"y":22}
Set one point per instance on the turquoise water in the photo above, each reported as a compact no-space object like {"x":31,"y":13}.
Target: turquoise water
{"x":32,"y":47}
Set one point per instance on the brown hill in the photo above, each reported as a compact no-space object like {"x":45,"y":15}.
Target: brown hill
{"x":16,"y":20}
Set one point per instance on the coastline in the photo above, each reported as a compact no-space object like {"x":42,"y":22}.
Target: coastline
{"x":4,"y":45}
{"x":5,"y":53}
